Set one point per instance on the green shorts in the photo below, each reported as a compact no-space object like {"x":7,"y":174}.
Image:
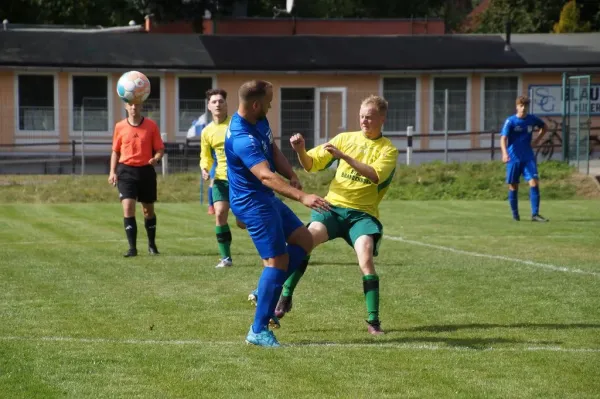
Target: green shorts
{"x":349,"y":224}
{"x":220,"y":190}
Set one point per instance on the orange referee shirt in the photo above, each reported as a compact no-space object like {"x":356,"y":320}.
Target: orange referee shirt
{"x":136,"y":144}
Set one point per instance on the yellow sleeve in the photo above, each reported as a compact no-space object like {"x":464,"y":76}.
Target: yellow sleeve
{"x":323,"y":159}
{"x":206,"y":158}
{"x":386,"y":163}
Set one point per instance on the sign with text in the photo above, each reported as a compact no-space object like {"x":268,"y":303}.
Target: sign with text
{"x":546,"y":100}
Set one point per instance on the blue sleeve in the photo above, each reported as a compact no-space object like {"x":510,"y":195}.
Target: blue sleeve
{"x":248,"y":149}
{"x":538,"y":122}
{"x":506,"y":128}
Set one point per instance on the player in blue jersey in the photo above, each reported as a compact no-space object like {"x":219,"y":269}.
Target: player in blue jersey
{"x":282,"y":240}
{"x":518,"y":155}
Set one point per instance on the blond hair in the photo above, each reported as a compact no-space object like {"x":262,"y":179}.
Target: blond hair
{"x":378,"y":102}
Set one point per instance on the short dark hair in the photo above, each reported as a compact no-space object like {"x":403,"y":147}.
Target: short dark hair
{"x":523,"y":100}
{"x":215,"y":92}
{"x":254,"y":90}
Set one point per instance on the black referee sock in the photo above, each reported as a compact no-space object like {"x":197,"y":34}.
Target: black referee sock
{"x":131,"y":231}
{"x":151,"y":230}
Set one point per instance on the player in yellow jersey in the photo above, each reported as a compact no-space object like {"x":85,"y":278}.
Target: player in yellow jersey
{"x":367,"y":162}
{"x":212,"y":150}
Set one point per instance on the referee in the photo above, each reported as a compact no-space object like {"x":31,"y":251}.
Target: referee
{"x":137,"y":148}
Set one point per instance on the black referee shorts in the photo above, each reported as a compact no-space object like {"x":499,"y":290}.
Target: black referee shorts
{"x":137,"y":182}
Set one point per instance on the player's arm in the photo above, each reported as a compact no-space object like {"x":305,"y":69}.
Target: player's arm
{"x":314,"y":160}
{"x":158,"y":148}
{"x":114,"y":157}
{"x":504,"y":140}
{"x":206,"y":157}
{"x":385,"y":165}
{"x":280,"y":186}
{"x":542,"y":126}
{"x":250,"y":153}
{"x":284,"y":168}
{"x":362,"y":168}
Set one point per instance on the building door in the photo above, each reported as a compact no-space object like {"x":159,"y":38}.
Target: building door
{"x":330,"y":113}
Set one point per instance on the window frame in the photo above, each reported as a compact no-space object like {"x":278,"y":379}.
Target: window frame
{"x":110,"y":125}
{"x":37,"y":133}
{"x":417,"y":78}
{"x":178,"y":133}
{"x":519,"y":77}
{"x":467,"y":105}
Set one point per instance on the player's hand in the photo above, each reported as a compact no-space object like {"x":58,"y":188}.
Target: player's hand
{"x":112,"y":179}
{"x":315,"y":202}
{"x":297,"y":142}
{"x":153,"y":161}
{"x":505,"y":158}
{"x":330,"y":148}
{"x":205,"y":175}
{"x":240,"y":224}
{"x":295,"y":182}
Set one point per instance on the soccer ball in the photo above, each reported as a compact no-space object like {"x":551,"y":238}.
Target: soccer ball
{"x":133,"y":87}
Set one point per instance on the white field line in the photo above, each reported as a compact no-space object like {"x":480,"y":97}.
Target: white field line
{"x":547,"y":266}
{"x":91,"y":241}
{"x":387,"y":345}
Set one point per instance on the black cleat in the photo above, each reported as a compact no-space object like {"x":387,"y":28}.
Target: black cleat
{"x":284,"y":305}
{"x":539,"y":218}
{"x":131,"y":252}
{"x":152,"y":250}
{"x":516,"y":218}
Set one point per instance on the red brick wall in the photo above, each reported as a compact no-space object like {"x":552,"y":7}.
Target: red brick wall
{"x":260,"y":26}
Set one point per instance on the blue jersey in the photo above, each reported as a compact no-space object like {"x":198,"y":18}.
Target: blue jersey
{"x":247,"y":145}
{"x":519,"y":132}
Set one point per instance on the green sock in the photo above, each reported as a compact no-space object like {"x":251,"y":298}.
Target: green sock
{"x":371,"y":289}
{"x":292,"y":281}
{"x":224,"y":240}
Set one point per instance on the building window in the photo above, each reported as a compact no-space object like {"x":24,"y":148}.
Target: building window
{"x":401,"y":94}
{"x":192,"y":100}
{"x":36,"y":102}
{"x":457,"y":104}
{"x":90,"y":101}
{"x":499,"y":98}
{"x":152,"y":104}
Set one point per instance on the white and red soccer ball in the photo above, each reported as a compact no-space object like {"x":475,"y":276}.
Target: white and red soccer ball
{"x":133,"y":87}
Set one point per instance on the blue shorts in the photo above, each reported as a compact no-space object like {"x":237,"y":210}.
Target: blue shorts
{"x":514,"y":170}
{"x":270,"y":226}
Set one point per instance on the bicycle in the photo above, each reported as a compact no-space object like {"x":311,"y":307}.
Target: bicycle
{"x":546,"y":149}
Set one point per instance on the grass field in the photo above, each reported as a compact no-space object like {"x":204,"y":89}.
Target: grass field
{"x":474,"y":305}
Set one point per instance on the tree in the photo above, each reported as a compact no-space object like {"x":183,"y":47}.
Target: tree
{"x":570,"y":20}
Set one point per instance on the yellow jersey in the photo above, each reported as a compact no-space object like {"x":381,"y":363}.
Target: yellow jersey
{"x":212,"y":148}
{"x":349,"y":189}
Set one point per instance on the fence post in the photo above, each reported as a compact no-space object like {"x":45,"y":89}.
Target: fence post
{"x":73,"y":157}
{"x":165,"y":159}
{"x":82,"y":116}
{"x":493,"y":145}
{"x":409,"y":143}
{"x":446,"y":125}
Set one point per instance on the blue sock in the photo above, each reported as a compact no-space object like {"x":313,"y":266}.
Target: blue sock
{"x":513,"y":200}
{"x":270,"y":285}
{"x":210,"y":198}
{"x":534,"y":197}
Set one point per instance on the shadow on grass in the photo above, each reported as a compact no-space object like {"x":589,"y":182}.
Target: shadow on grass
{"x":486,"y":326}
